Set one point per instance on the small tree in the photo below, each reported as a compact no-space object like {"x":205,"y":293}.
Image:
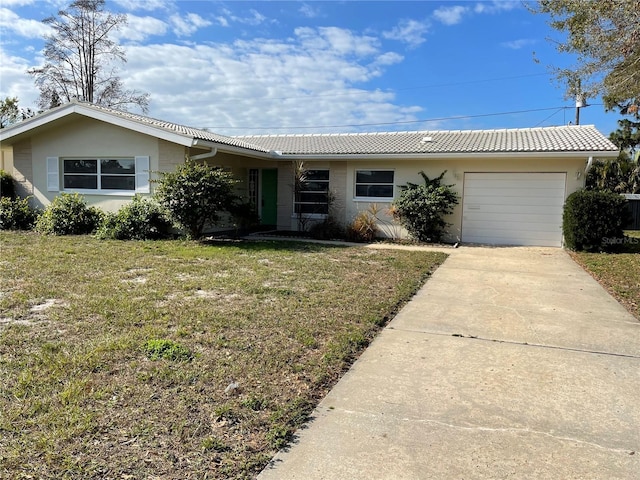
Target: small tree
{"x":195,"y":195}
{"x":421,"y":208}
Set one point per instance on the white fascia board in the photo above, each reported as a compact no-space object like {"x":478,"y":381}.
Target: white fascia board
{"x":35,"y":122}
{"x":74,"y":108}
{"x":450,"y":156}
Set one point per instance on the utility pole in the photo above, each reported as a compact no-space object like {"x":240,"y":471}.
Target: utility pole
{"x":579,"y":104}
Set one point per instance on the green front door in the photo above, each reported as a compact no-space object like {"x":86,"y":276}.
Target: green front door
{"x":269,"y":200}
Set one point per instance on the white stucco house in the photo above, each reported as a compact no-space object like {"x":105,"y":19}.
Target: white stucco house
{"x":512,"y":183}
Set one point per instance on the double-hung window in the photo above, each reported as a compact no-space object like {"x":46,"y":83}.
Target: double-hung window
{"x":312,"y":196}
{"x":376,"y":184}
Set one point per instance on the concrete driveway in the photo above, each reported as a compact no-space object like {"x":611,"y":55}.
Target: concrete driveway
{"x":509,"y":363}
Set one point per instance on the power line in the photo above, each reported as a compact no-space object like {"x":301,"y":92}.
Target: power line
{"x":437,"y":119}
{"x":405,"y":89}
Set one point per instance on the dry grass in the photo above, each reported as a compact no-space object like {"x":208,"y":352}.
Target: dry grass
{"x":619,"y":273}
{"x":176,"y":359}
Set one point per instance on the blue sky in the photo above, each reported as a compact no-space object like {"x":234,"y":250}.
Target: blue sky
{"x":273,"y":67}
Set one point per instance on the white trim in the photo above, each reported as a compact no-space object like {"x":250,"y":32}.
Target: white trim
{"x":104,"y":193}
{"x":517,"y":156}
{"x":357,"y":198}
{"x":99,"y":174}
{"x":53,"y":174}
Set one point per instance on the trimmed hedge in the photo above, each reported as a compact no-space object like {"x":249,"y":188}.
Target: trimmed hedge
{"x":594,"y":220}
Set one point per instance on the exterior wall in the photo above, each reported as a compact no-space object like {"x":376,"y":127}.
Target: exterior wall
{"x":337,"y":189}
{"x":88,"y":138}
{"x":23,"y":169}
{"x":170,"y":155}
{"x":286,"y":217}
{"x":6,"y":159}
{"x":408,"y":171}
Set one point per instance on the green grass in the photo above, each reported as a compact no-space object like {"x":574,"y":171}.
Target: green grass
{"x":115,"y":356}
{"x":619,"y":273}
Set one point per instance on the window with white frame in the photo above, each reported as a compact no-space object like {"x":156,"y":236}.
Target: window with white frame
{"x":374,"y":184}
{"x":99,"y":174}
{"x":313,"y":196}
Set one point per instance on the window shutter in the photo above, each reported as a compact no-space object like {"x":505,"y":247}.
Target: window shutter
{"x":53,"y":174}
{"x":142,"y":175}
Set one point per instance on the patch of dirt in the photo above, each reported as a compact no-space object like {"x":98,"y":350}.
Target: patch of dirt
{"x":139,"y":280}
{"x":46,"y":305}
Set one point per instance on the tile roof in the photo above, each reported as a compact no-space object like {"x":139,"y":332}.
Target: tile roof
{"x":579,"y":138}
{"x":582,"y":138}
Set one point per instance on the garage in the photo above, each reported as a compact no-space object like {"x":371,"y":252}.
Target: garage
{"x":513,"y":208}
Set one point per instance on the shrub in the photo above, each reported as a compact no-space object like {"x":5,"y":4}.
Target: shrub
{"x":68,"y":214}
{"x":592,"y":218}
{"x":195,"y":195}
{"x":244,"y":215}
{"x":7,"y":186}
{"x":421,"y":208}
{"x":17,"y":214}
{"x":363,"y":228}
{"x":327,"y":229}
{"x":142,"y":219}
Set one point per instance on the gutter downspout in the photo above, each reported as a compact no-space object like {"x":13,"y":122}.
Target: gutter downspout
{"x":202,"y":156}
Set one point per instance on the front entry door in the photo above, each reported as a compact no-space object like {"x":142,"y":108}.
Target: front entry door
{"x":269,"y":197}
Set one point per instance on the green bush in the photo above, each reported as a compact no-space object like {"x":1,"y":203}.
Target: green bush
{"x":195,"y":195}
{"x":17,"y":214}
{"x":142,"y":219}
{"x":421,"y":208}
{"x":68,"y":214}
{"x":7,"y":186}
{"x":594,"y":220}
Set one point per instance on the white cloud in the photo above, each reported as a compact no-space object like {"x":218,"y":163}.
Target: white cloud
{"x":255,"y":18}
{"x":14,"y":80}
{"x":411,"y":32}
{"x":308,"y":11}
{"x":496,"y":6}
{"x":450,"y":15}
{"x":138,"y":29}
{"x":20,"y":26}
{"x":148,"y":5}
{"x":518,"y":44}
{"x":222,"y":21}
{"x":317,"y":77}
{"x":187,"y":25}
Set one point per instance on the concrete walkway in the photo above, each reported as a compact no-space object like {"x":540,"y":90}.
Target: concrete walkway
{"x":509,"y":363}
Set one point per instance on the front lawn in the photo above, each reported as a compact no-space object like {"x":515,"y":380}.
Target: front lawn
{"x":619,"y":273}
{"x":177,"y":359}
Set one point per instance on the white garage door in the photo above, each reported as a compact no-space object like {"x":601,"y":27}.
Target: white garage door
{"x":513,"y":208}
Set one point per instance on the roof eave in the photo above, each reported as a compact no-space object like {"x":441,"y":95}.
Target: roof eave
{"x":441,"y":156}
{"x":75,"y":108}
